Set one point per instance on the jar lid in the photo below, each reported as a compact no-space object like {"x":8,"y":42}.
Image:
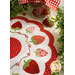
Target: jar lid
{"x":55,"y":66}
{"x":52,"y":4}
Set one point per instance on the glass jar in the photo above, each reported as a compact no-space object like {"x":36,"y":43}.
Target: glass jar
{"x":39,"y":10}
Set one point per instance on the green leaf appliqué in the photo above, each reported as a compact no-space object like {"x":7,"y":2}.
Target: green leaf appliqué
{"x":24,"y":66}
{"x":36,"y":52}
{"x":34,"y":41}
{"x":15,"y":28}
{"x":26,"y":63}
{"x":15,"y":73}
{"x":28,"y":31}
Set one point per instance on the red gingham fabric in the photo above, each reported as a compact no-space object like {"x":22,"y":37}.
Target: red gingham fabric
{"x":52,"y":4}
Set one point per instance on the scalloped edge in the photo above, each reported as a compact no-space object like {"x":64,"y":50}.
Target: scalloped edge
{"x":51,"y":42}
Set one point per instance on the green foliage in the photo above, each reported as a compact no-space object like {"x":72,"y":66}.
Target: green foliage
{"x":56,"y":73}
{"x":60,"y":24}
{"x":16,"y":8}
{"x":15,"y":73}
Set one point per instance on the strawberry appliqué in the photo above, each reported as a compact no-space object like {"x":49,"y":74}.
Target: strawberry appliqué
{"x":31,"y":66}
{"x":30,"y":29}
{"x":16,"y":26}
{"x":40,"y":52}
{"x":37,"y":39}
{"x":15,"y":47}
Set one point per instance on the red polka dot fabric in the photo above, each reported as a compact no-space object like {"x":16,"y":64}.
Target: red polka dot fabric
{"x":15,"y":47}
{"x":52,"y":4}
{"x":39,"y":39}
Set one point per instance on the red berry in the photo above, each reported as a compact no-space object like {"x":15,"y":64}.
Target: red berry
{"x":30,"y":29}
{"x":45,"y":22}
{"x":17,"y":24}
{"x":34,"y":12}
{"x":40,"y":52}
{"x":37,"y":39}
{"x":38,"y":10}
{"x":46,"y":12}
{"x":24,"y":14}
{"x":31,"y":67}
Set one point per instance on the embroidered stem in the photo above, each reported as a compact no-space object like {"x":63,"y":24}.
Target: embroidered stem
{"x":27,"y":41}
{"x":28,"y":45}
{"x":19,"y":61}
{"x":18,"y":33}
{"x":22,"y":58}
{"x":28,"y":48}
{"x":13,"y":66}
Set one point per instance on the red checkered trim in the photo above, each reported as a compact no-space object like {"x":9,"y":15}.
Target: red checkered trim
{"x":52,"y":4}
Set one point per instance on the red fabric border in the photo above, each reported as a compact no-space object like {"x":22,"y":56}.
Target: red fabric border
{"x":51,"y":41}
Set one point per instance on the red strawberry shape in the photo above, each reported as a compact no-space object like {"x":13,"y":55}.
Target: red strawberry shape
{"x":30,"y":29}
{"x":48,"y":22}
{"x":15,"y":47}
{"x":35,"y":13}
{"x":46,"y":12}
{"x":16,"y":26}
{"x":31,"y":66}
{"x":24,"y":14}
{"x":37,"y":39}
{"x":38,"y":11}
{"x":40,"y":52}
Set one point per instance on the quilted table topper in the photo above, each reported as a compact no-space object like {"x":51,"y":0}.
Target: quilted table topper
{"x":31,"y":48}
{"x":52,"y":4}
